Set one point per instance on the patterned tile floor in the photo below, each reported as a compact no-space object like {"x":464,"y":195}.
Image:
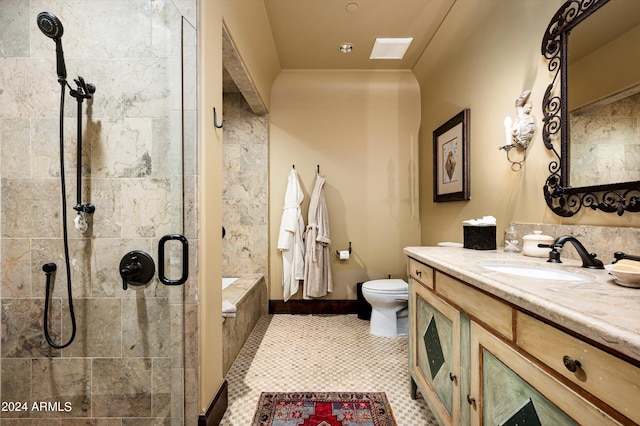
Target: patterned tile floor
{"x":287,"y":353}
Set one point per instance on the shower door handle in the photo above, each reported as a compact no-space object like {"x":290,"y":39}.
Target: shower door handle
{"x":185,"y":259}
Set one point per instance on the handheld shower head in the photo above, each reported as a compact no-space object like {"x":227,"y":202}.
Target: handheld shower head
{"x":51,"y":26}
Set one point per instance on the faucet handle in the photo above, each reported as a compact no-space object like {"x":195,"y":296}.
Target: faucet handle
{"x":620,"y":255}
{"x":554,"y":254}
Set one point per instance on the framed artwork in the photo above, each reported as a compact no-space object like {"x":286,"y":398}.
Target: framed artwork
{"x":451,"y":159}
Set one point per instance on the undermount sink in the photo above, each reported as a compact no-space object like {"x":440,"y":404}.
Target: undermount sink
{"x":538,"y":272}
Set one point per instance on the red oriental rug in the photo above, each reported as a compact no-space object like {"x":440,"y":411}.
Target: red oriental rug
{"x":323,"y":409}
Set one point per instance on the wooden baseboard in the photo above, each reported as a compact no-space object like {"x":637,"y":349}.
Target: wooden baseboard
{"x":318,"y":307}
{"x":216,"y":409}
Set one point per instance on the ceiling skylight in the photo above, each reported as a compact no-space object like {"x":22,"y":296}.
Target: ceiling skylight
{"x":390,"y":48}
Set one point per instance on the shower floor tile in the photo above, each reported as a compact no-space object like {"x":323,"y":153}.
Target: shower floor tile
{"x":288,"y":353}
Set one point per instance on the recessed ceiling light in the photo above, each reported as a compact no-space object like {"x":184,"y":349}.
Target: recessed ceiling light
{"x":390,"y":48}
{"x":346,"y":48}
{"x":352,"y":7}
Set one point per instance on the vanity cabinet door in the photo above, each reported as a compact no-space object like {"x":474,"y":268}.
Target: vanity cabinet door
{"x":508,"y":389}
{"x":435,"y":352}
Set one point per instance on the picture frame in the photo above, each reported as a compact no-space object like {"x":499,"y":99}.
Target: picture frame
{"x":451,"y":159}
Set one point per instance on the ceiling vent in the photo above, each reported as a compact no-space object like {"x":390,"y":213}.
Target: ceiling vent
{"x":390,"y":48}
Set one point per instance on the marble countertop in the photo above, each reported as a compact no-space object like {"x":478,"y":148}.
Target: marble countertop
{"x":598,"y":309}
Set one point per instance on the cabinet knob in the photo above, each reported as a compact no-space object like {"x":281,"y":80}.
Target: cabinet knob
{"x":571,"y":364}
{"x":452,"y":377}
{"x":418,"y":272}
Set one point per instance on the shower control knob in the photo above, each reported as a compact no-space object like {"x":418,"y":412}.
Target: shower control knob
{"x":131,"y":269}
{"x":137,"y":268}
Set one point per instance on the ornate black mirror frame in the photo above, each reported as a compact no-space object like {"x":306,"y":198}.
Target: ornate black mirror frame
{"x":561,"y":198}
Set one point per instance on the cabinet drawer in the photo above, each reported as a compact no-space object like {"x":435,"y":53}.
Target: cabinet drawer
{"x":502,"y":379}
{"x":494,"y":313}
{"x":605,"y":376}
{"x":421,"y":272}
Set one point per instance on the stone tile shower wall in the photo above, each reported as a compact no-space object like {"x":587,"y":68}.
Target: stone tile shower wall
{"x":605,"y":142}
{"x":127,"y":362}
{"x":245,"y":189}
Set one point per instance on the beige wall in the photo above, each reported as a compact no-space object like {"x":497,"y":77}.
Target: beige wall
{"x":209,"y":203}
{"x":248,"y":25}
{"x":486,"y":53}
{"x":362,"y":129}
{"x":606,"y":71}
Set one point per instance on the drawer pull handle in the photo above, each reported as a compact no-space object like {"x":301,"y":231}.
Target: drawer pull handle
{"x":418,"y":272}
{"x":571,"y":364}
{"x":470,"y":400}
{"x":452,"y":377}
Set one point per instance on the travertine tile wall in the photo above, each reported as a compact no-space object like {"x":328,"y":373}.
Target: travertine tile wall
{"x":127,"y":362}
{"x":602,"y":240}
{"x":594,"y":157}
{"x":245,"y":189}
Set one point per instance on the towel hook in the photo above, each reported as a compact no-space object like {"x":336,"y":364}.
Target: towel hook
{"x":318,"y":170}
{"x":215,"y":120}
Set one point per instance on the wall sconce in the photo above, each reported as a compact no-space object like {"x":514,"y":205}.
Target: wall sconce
{"x":519,"y":132}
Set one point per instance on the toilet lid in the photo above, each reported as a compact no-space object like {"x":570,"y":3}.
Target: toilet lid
{"x":389,"y":285}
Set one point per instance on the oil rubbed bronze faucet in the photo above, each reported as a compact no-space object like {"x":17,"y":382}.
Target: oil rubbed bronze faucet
{"x":588,"y":259}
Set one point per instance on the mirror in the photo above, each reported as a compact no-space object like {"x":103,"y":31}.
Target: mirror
{"x":592,"y":107}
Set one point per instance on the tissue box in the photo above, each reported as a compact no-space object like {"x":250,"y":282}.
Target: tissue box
{"x":480,"y":237}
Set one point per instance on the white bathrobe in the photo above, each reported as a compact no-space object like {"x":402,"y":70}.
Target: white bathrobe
{"x":317,"y":267}
{"x":290,"y":241}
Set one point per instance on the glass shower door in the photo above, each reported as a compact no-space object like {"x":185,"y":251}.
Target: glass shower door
{"x":128,"y":358}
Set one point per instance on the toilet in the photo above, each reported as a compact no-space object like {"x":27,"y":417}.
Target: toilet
{"x":388,"y":299}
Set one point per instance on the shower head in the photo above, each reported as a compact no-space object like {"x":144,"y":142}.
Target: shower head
{"x":51,"y":26}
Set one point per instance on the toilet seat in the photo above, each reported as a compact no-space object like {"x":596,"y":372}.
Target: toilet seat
{"x":388,"y":286}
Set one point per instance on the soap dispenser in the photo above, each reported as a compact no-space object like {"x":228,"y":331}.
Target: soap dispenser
{"x":511,"y":244}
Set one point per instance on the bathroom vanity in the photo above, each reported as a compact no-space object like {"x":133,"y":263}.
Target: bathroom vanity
{"x":500,"y":338}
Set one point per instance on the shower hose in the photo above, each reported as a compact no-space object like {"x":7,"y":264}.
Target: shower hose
{"x":50,"y":268}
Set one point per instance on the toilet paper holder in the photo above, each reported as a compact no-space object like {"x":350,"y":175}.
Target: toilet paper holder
{"x":338,"y":251}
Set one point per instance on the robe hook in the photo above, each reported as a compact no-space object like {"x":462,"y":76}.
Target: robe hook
{"x":215,"y":120}
{"x":318,"y":169}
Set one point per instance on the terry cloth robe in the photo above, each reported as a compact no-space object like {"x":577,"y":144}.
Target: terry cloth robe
{"x":317,"y":261}
{"x":290,"y":241}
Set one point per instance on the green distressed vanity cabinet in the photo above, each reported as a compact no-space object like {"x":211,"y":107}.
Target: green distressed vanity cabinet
{"x":435,"y":362}
{"x":471,"y":362}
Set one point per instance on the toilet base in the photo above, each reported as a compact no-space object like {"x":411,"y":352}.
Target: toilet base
{"x":389,"y":323}
{"x":403,"y":326}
